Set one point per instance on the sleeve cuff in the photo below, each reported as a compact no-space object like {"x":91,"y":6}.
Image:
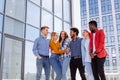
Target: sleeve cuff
{"x":35,"y":52}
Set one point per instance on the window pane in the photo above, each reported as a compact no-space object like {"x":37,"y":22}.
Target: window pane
{"x":1,"y":22}
{"x":31,"y":33}
{"x":16,"y":9}
{"x":58,"y":8}
{"x":1,"y":6}
{"x":30,"y":62}
{"x":83,"y":10}
{"x":119,"y":41}
{"x":117,"y":5}
{"x":67,"y":27}
{"x":14,"y":27}
{"x":12,"y":59}
{"x":0,"y":48}
{"x":114,"y":62}
{"x":93,"y":8}
{"x":66,"y":10}
{"x":36,"y":1}
{"x":97,"y":20}
{"x":47,"y":4}
{"x":57,"y":25}
{"x":83,"y":24}
{"x":49,"y":36}
{"x":106,"y":6}
{"x":33,"y":14}
{"x":47,"y":19}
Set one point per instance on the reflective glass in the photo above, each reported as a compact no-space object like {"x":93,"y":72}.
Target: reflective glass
{"x":83,"y":8}
{"x":57,"y":25}
{"x":31,"y":33}
{"x":117,"y":5}
{"x":58,"y":8}
{"x":66,"y":8}
{"x":106,"y":6}
{"x":93,"y":8}
{"x":33,"y":14}
{"x":36,"y":1}
{"x":0,"y":47}
{"x":67,"y":27}
{"x":1,"y":22}
{"x":30,"y":62}
{"x":14,"y":27}
{"x":47,"y":19}
{"x":47,"y":4}
{"x":16,"y":9}
{"x":12,"y":60}
{"x":2,"y":5}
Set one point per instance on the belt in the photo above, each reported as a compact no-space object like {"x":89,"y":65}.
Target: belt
{"x":68,"y":56}
{"x":44,"y":56}
{"x":76,"y":57}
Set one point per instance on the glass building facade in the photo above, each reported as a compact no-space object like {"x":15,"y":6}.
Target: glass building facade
{"x":20,"y":22}
{"x":107,"y":14}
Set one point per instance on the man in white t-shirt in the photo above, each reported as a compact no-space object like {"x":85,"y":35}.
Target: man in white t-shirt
{"x":97,"y":50}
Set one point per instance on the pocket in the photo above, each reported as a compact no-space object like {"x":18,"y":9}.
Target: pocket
{"x":39,"y":59}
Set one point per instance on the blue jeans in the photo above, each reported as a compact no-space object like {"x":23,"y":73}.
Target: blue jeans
{"x":89,"y":71}
{"x":65,"y":64}
{"x":54,"y":60}
{"x":43,"y":63}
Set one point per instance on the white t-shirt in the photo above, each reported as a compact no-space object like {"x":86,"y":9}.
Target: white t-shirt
{"x":94,"y":43}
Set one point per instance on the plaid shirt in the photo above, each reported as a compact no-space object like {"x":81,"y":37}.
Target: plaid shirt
{"x":66,"y":45}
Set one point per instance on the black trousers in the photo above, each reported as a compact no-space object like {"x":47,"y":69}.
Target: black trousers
{"x":98,"y":68}
{"x":74,"y":64}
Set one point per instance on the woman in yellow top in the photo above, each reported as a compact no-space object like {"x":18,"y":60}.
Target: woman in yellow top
{"x":54,"y":59}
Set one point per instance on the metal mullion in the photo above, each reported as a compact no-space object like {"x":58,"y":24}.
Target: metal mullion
{"x":23,"y":44}
{"x":62,"y":15}
{"x":2,"y":42}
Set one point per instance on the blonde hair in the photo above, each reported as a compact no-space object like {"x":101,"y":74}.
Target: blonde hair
{"x":53,"y":34}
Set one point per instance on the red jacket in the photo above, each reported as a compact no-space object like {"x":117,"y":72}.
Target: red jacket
{"x":99,"y":43}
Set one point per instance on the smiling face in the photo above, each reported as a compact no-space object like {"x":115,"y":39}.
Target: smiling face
{"x":62,"y":35}
{"x":85,"y":34}
{"x":72,"y":33}
{"x":56,"y":36}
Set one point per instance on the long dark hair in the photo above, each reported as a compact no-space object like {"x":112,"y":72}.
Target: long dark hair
{"x":66,"y":36}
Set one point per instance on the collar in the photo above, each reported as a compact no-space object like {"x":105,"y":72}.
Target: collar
{"x":43,"y":36}
{"x":75,"y":40}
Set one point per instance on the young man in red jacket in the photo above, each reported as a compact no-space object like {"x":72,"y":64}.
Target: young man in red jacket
{"x":97,"y":50}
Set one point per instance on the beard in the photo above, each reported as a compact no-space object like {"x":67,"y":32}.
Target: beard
{"x":72,"y":36}
{"x":93,"y":31}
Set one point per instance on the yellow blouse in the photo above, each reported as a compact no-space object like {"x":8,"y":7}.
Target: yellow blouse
{"x":56,"y":47}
